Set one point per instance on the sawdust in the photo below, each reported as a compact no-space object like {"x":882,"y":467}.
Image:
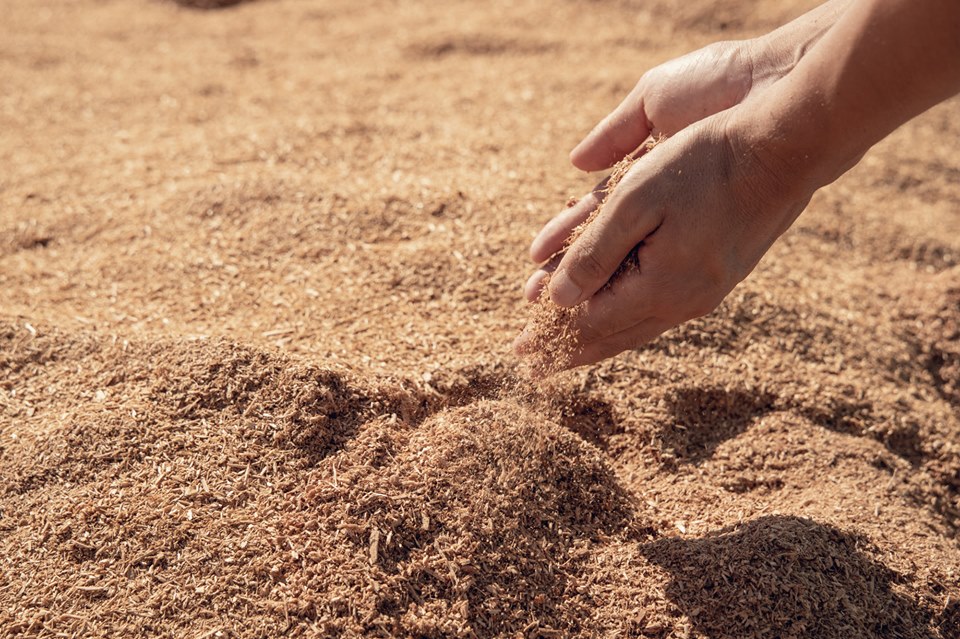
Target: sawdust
{"x":255,"y":376}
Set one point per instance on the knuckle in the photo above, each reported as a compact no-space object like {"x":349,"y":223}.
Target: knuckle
{"x":684,"y":297}
{"x":588,"y":332}
{"x":644,"y":81}
{"x":714,"y":284}
{"x":708,"y":298}
{"x":588,"y":266}
{"x":714,"y":273}
{"x":628,"y":343}
{"x":717,"y":49}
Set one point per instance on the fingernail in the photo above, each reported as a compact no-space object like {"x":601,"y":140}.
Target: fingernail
{"x":563,"y":290}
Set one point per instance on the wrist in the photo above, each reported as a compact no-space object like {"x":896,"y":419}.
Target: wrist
{"x":781,"y":158}
{"x":839,"y":100}
{"x":777,"y":52}
{"x":797,"y":136}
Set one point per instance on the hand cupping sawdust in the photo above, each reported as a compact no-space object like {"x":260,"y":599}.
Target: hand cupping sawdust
{"x":550,"y":338}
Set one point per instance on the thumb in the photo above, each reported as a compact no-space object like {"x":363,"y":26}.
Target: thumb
{"x":617,"y":135}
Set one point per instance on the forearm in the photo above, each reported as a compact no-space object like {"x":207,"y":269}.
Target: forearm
{"x":881,"y":64}
{"x":783,"y":48}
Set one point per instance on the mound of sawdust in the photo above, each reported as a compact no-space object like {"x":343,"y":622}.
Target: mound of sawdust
{"x":208,"y":474}
{"x":478,"y":521}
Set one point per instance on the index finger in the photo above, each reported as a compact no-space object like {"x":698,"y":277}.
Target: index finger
{"x":622,"y":223}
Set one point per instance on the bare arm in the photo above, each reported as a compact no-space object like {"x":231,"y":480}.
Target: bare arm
{"x":883,"y":63}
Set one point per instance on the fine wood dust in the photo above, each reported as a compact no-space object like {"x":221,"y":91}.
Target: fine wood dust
{"x":199,"y":476}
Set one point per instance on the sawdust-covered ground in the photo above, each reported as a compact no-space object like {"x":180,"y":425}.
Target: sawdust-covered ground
{"x":259,"y":272}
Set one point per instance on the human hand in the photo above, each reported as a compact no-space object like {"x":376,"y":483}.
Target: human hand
{"x":700,"y":210}
{"x":703,"y":207}
{"x":675,"y":283}
{"x":673,"y":96}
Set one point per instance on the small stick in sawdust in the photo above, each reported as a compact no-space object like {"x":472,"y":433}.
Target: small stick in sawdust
{"x":374,"y":545}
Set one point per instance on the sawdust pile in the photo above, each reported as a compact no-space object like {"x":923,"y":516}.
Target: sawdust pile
{"x":210,"y":478}
{"x":213,"y":484}
{"x":255,"y":367}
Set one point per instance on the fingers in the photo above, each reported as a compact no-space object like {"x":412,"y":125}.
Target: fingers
{"x":619,"y":317}
{"x":608,"y":327}
{"x":536,"y":282}
{"x":635,"y":336}
{"x":597,"y":253}
{"x":617,"y":135}
{"x":554,"y":234}
{"x":629,"y":300}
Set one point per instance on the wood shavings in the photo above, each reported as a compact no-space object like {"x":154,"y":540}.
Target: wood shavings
{"x":242,"y":337}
